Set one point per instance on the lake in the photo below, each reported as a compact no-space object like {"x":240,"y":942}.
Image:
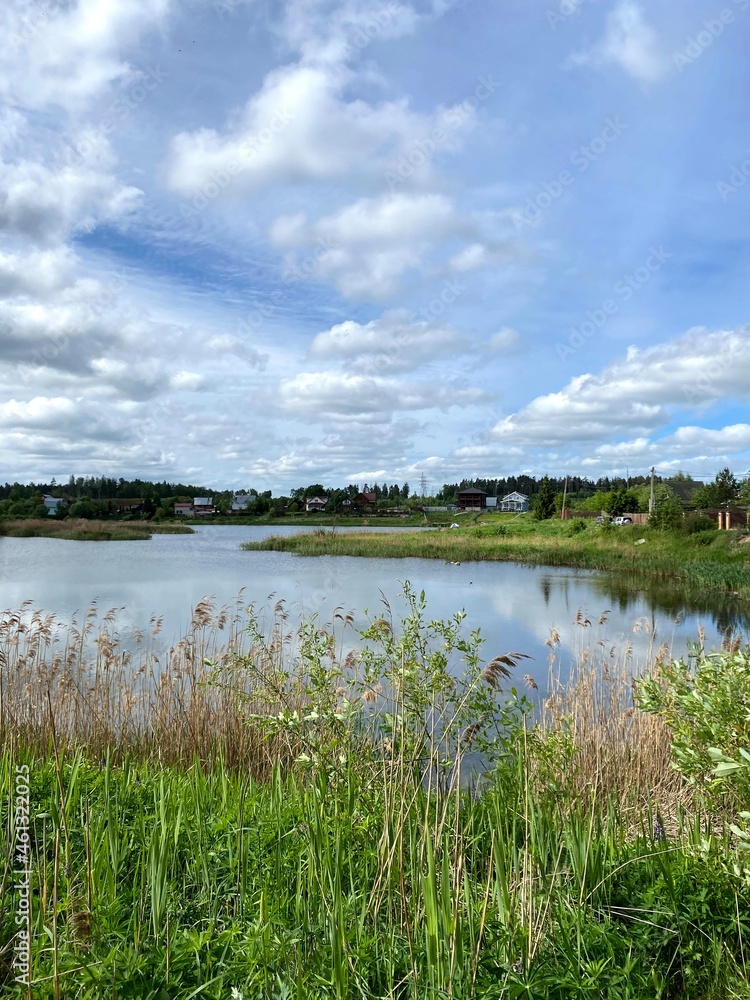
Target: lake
{"x":514,"y":606}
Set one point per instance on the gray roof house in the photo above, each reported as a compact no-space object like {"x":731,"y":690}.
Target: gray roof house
{"x":203,"y":506}
{"x":51,"y":503}
{"x":515,"y":503}
{"x":242,"y":501}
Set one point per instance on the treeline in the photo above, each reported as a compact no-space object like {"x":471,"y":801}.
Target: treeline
{"x":108,"y":498}
{"x":99,"y":488}
{"x":578,"y":487}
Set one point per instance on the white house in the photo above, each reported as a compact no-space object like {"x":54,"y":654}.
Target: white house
{"x":313,"y":504}
{"x":516,"y":503}
{"x":51,"y":503}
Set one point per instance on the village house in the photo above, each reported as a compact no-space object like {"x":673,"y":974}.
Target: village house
{"x":242,"y":501}
{"x":472,"y":499}
{"x":364,"y":500}
{"x":129,"y":505}
{"x":514,"y":503}
{"x":315,"y":504}
{"x":200,"y":507}
{"x":204,"y":506}
{"x":52,"y":504}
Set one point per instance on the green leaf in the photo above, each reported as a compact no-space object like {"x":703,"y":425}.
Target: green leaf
{"x":725,"y":768}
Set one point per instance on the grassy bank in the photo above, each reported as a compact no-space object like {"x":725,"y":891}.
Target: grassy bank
{"x":83,"y":530}
{"x":413,"y":520}
{"x":280,"y":813}
{"x":708,"y":559}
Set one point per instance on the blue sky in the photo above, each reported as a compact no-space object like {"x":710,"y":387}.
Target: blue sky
{"x":266,"y":244}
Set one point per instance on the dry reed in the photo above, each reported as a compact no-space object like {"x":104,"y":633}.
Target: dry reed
{"x":203,"y":696}
{"x":613,"y":751}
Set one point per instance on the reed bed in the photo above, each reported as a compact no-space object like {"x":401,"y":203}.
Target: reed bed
{"x":84,"y":530}
{"x":273,"y":809}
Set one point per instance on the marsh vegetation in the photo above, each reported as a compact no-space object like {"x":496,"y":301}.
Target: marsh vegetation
{"x":395,"y":811}
{"x":703,"y":559}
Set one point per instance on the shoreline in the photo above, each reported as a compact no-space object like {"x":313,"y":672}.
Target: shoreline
{"x":718,"y":562}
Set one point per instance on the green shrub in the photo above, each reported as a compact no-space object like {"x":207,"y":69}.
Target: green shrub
{"x":577,"y":525}
{"x":694,"y":524}
{"x":705,"y":701}
{"x":703,"y":537}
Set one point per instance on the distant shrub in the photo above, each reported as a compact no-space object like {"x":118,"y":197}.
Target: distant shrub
{"x":695,"y":523}
{"x":704,"y":537}
{"x":577,"y":525}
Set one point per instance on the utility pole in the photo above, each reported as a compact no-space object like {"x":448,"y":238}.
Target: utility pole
{"x":565,"y":493}
{"x":651,"y":498}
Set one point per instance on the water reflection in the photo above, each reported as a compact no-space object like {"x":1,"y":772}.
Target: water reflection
{"x":515,"y":606}
{"x":727,"y":612}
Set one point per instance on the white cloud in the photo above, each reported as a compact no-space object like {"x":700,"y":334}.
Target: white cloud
{"x":637,"y":394}
{"x":60,"y":418}
{"x":366,"y":248}
{"x":393,"y":343}
{"x":37,"y":274}
{"x":470,"y":258}
{"x":629,"y":42}
{"x":328,"y":395}
{"x":185,"y":381}
{"x":224,"y":344}
{"x":505,"y":341}
{"x":732,"y":439}
{"x":64,"y":54}
{"x":341,"y":30}
{"x":301,"y":128}
{"x":48,"y":204}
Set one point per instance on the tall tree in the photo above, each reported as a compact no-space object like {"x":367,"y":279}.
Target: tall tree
{"x":544,"y":501}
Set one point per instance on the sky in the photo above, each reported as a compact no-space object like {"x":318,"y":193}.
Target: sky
{"x":265,"y":243}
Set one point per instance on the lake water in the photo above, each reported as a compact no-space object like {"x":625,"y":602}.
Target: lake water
{"x":514,"y":606}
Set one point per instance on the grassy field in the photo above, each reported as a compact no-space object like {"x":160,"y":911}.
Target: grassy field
{"x":277,"y":812}
{"x":705,"y":560}
{"x":82,"y":530}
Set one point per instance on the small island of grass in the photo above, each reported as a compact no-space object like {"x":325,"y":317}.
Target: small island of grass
{"x":82,"y":530}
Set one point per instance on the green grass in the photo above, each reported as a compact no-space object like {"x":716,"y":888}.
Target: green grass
{"x":152,"y":883}
{"x":82,"y":530}
{"x":707,"y":560}
{"x":413,"y":520}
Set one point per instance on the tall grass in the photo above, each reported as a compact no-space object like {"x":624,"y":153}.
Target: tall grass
{"x":283,"y":811}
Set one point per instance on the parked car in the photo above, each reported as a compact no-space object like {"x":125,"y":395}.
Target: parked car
{"x":623,"y":520}
{"x":602,"y":519}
